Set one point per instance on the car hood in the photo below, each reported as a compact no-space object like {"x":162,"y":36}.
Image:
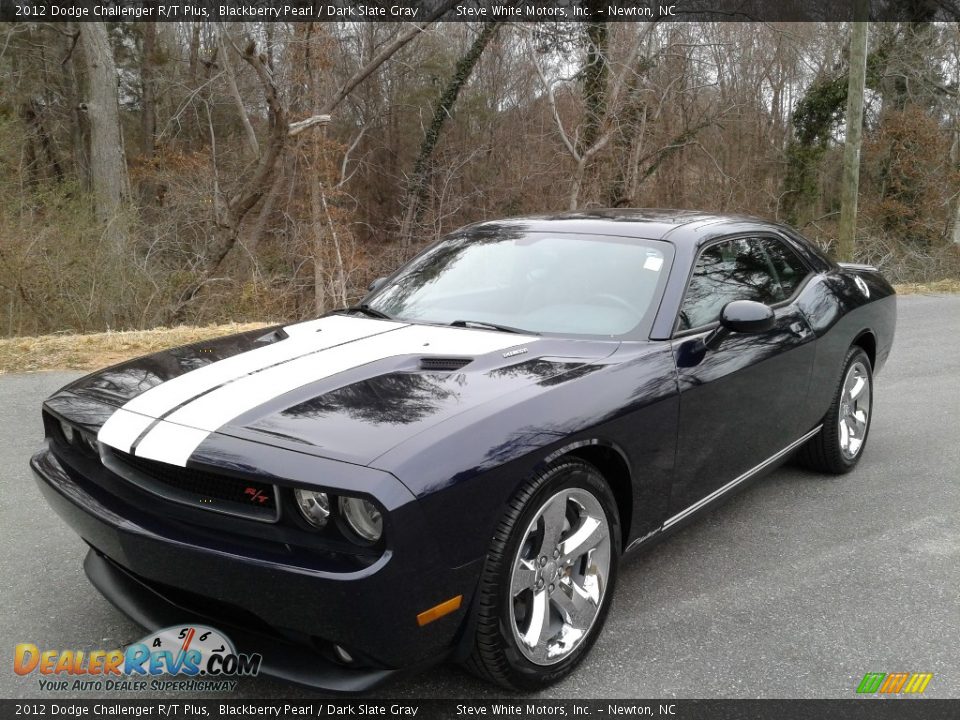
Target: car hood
{"x":343,"y":387}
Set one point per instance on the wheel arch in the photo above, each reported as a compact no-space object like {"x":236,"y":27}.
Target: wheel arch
{"x":867,"y":341}
{"x":612,"y":463}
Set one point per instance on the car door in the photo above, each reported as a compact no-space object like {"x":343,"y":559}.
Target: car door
{"x":741,"y":396}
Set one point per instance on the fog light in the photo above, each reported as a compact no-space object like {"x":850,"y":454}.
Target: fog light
{"x":314,"y":506}
{"x":67,"y":430}
{"x":363,"y":517}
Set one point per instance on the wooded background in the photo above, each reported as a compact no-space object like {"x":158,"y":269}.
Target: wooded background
{"x":156,"y":173}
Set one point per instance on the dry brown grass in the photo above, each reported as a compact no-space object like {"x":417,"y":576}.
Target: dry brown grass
{"x":88,"y":352}
{"x":96,"y":350}
{"x":929,"y":288}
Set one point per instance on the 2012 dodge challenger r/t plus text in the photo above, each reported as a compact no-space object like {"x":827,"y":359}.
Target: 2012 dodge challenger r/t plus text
{"x":454,"y":467}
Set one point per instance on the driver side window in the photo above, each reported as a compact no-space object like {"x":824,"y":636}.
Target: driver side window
{"x":737,"y":269}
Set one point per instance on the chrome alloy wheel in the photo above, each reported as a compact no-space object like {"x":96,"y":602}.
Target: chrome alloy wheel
{"x":854,"y":410}
{"x":559,"y":576}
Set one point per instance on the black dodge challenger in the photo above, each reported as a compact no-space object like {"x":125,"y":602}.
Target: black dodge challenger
{"x":454,"y":467}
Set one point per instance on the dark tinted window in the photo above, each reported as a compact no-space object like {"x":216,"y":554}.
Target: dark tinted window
{"x":731,"y":270}
{"x":786,"y":264}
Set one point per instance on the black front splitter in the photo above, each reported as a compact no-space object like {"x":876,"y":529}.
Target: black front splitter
{"x":288,"y":661}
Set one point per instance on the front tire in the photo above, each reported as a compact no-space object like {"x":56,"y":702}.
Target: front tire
{"x":548,"y":579}
{"x":839,"y":445}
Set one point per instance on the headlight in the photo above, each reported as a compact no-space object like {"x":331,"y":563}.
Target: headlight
{"x":363,"y":517}
{"x":314,"y":506}
{"x":67,"y":430}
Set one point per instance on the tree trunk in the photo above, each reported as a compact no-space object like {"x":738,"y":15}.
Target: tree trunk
{"x":148,"y":90}
{"x":442,"y":111}
{"x":147,"y":190}
{"x":319,"y":240}
{"x":573,"y":203}
{"x":313,"y":154}
{"x":194,"y":53}
{"x":108,"y":168}
{"x":263,"y":217}
{"x":955,"y":159}
{"x":955,"y":149}
{"x":955,"y":234}
{"x":248,"y":130}
{"x":851,"y":151}
{"x":595,"y":72}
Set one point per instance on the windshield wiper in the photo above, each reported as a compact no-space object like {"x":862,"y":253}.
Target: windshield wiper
{"x":490,"y":326}
{"x":369,"y":311}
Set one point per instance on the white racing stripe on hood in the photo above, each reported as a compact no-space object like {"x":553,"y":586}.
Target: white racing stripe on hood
{"x":170,"y":443}
{"x":124,"y":427}
{"x":305,"y":338}
{"x":211,"y":411}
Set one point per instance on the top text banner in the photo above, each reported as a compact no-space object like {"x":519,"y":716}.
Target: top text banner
{"x":479,"y":10}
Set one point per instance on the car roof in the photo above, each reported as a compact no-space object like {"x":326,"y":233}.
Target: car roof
{"x":676,"y":226}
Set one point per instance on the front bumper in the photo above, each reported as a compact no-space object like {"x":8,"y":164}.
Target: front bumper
{"x":158,"y":575}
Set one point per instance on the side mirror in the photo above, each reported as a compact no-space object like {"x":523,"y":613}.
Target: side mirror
{"x":741,"y":316}
{"x":747,"y":317}
{"x":376,"y":284}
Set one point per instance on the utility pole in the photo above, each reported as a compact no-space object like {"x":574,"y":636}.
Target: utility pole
{"x":850,"y":184}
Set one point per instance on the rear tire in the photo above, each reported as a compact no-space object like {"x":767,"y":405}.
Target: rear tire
{"x":548,"y":580}
{"x":839,"y":445}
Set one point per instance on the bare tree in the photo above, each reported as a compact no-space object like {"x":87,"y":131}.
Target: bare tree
{"x":442,"y":111}
{"x":108,"y":165}
{"x":275,"y":159}
{"x":604,"y":126}
{"x":230,"y":212}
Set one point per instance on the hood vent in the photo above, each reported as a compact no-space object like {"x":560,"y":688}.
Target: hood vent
{"x":272,"y":336}
{"x":439,"y":364}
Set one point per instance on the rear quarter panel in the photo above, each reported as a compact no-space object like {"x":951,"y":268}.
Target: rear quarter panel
{"x":840,"y":313}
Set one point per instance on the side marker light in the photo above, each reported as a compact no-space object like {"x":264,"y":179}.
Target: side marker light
{"x":438,"y":611}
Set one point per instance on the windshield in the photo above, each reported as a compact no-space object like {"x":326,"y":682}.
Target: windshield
{"x":530,"y":281}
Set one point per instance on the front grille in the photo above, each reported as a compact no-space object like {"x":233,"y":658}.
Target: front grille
{"x":207,"y":490}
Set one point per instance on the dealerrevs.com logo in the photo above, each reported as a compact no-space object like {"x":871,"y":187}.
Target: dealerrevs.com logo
{"x":894,"y":683}
{"x":189,"y":658}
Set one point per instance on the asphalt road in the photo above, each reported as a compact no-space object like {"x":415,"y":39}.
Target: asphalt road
{"x":794,"y":588}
